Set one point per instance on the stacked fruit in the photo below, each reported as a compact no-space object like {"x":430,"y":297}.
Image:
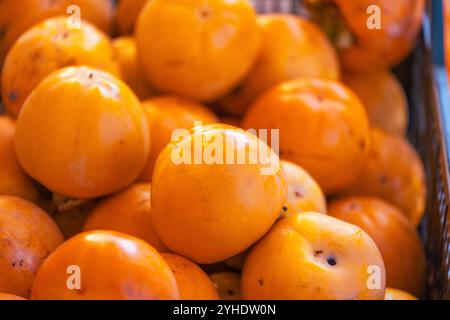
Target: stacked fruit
{"x":120,"y":142}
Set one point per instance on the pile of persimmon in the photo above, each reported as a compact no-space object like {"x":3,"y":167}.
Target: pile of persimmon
{"x":197,"y":149}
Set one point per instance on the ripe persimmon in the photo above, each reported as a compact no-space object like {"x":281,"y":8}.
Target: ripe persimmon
{"x":323,"y":128}
{"x":13,"y":180}
{"x":394,"y":235}
{"x":47,"y":47}
{"x":7,"y":296}
{"x":228,"y":284}
{"x":387,"y":106}
{"x":237,"y":262}
{"x":292,"y":47}
{"x":70,"y":221}
{"x":193,"y":283}
{"x":96,"y":141}
{"x":393,"y":171}
{"x":127,"y":13}
{"x":108,"y":266}
{"x":27,"y":236}
{"x":131,"y":73}
{"x":396,"y":294}
{"x":166,"y":114}
{"x":304,"y":194}
{"x":199,"y":49}
{"x":128,"y":212}
{"x":213,"y":209}
{"x":313,"y":256}
{"x":370,"y":34}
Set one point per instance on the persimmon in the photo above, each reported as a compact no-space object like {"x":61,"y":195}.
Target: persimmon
{"x":199,"y":49}
{"x":314,"y":256}
{"x":292,"y":47}
{"x":7,"y":296}
{"x":228,"y":284}
{"x":27,"y":236}
{"x":393,"y":171}
{"x":13,"y":180}
{"x":237,"y":262}
{"x":387,"y":106}
{"x":96,"y":141}
{"x":370,"y":34}
{"x":323,"y":128}
{"x":128,"y":212}
{"x":71,"y":221}
{"x":126,"y":55}
{"x":193,"y":283}
{"x":304,"y":194}
{"x":16,"y":17}
{"x":165,"y":114}
{"x":110,"y":266}
{"x":395,"y":294}
{"x":127,"y":12}
{"x":394,"y":235}
{"x":47,"y":47}
{"x":213,"y":209}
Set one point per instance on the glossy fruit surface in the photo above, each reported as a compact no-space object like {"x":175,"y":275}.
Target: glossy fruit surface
{"x":7,"y":296}
{"x":210,"y":210}
{"x":395,"y":294}
{"x":314,"y":256}
{"x":199,"y":49}
{"x":128,"y":212}
{"x":193,"y":283}
{"x":394,"y":235}
{"x":323,"y":128}
{"x":96,"y":144}
{"x":228,"y":284}
{"x":27,"y":236}
{"x":105,"y":265}
{"x":47,"y":47}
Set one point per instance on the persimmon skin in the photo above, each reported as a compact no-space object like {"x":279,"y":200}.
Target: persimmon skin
{"x":7,"y":296}
{"x":323,"y":128}
{"x":310,"y":256}
{"x":387,"y":106}
{"x":228,"y":284}
{"x":394,"y":172}
{"x":292,"y":47}
{"x":28,"y":235}
{"x":13,"y":180}
{"x":210,"y":212}
{"x":47,"y":47}
{"x":396,"y":294}
{"x":110,"y":141}
{"x":127,"y":13}
{"x":394,"y":235}
{"x":165,"y":114}
{"x":304,"y":194}
{"x":113,"y":265}
{"x":130,"y":70}
{"x":128,"y":212}
{"x":193,"y":283}
{"x":170,"y":33}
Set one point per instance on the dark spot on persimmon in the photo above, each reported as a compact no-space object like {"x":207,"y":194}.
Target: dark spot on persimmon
{"x":13,"y":96}
{"x":383,"y":179}
{"x":362,"y":144}
{"x":230,"y":292}
{"x":298,"y":194}
{"x":261,"y":282}
{"x":317,"y":253}
{"x":331,"y":261}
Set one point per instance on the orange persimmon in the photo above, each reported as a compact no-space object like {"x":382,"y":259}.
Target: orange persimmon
{"x":396,"y":294}
{"x":228,"y":284}
{"x":127,"y":13}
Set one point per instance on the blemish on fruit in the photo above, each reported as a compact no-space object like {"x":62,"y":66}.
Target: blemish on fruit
{"x":317,"y":253}
{"x":13,"y":96}
{"x":261,"y":282}
{"x":331,"y":261}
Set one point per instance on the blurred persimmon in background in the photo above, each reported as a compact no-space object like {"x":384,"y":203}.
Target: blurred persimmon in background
{"x":127,"y":12}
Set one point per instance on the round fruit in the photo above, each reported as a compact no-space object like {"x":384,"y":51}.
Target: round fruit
{"x":104,"y":265}
{"x":313,"y":256}
{"x":82,"y":133}
{"x":130,"y":70}
{"x":199,"y":48}
{"x":13,"y":180}
{"x":47,"y":47}
{"x":7,"y":296}
{"x":209,"y":209}
{"x":304,"y":194}
{"x":323,"y":128}
{"x":394,"y":235}
{"x":228,"y":284}
{"x":394,"y":172}
{"x":127,"y":12}
{"x":386,"y":106}
{"x":292,"y":47}
{"x":193,"y":283}
{"x":16,"y":17}
{"x":237,"y":262}
{"x":27,"y":236}
{"x":71,"y":221}
{"x":166,"y":114}
{"x":395,"y":294}
{"x":127,"y":212}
